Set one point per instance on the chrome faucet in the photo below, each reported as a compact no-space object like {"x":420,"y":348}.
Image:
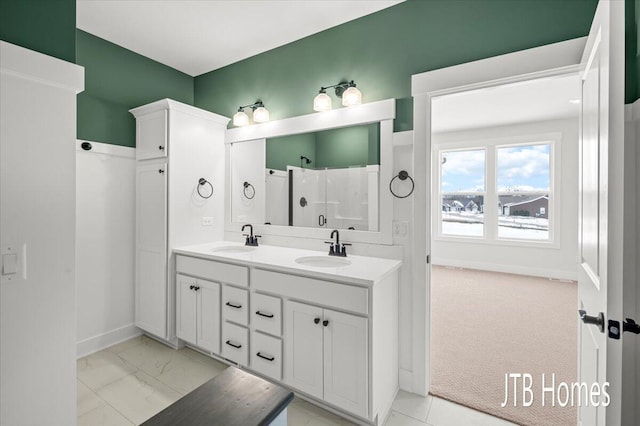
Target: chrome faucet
{"x":337,"y":249}
{"x":251,"y":240}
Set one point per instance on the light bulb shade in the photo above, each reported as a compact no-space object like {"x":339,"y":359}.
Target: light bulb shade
{"x":322,"y":102}
{"x":351,"y":96}
{"x":261,"y":115}
{"x":240,"y":119}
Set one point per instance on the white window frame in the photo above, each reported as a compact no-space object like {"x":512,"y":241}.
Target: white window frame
{"x":491,"y":147}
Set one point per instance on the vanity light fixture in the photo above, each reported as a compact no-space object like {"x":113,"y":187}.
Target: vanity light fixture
{"x":260,"y":114}
{"x":347,"y":90}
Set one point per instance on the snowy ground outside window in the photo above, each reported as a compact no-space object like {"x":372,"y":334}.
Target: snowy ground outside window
{"x":517,"y":227}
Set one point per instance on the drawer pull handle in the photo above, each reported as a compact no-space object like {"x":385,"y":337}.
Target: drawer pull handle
{"x":264,"y":315}
{"x":270,"y":359}
{"x":233,"y":306}
{"x":228,"y":342}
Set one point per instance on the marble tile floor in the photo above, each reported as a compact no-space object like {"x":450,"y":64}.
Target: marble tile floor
{"x":130,"y":382}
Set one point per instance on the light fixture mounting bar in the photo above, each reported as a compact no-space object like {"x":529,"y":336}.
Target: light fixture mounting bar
{"x":253,"y":106}
{"x":340,"y":87}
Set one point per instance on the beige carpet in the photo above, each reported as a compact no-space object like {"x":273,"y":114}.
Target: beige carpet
{"x":486,"y":324}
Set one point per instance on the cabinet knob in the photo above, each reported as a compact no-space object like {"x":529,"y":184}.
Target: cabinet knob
{"x":316,"y":320}
{"x":191,"y":287}
{"x":325,"y":323}
{"x":161,"y":148}
{"x":160,"y":171}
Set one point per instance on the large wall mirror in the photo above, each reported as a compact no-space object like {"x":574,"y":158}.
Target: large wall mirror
{"x":308,"y":175}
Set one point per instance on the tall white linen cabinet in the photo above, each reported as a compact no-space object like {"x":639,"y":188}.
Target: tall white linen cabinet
{"x":179,"y":201}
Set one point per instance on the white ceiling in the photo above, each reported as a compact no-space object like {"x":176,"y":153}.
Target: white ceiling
{"x":537,"y":100}
{"x":199,"y":36}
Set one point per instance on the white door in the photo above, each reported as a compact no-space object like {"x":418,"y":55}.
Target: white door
{"x":151,"y":135}
{"x":345,"y":361}
{"x":186,"y":321}
{"x":151,"y":248}
{"x":303,"y":343}
{"x":209,"y":315}
{"x":601,"y":186}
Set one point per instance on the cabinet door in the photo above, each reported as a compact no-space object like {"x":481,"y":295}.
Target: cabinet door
{"x":151,"y":248}
{"x":186,"y":302}
{"x":345,"y":361}
{"x":151,"y":135}
{"x":303,"y":342}
{"x":209,"y":315}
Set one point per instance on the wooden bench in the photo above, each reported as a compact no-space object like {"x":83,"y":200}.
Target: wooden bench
{"x":233,"y":398}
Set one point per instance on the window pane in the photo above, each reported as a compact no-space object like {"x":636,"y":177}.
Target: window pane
{"x":462,"y":171}
{"x":523,"y":216}
{"x":463,"y":215}
{"x":524,"y":168}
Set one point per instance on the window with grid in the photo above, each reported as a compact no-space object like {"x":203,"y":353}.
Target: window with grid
{"x":496,"y":192}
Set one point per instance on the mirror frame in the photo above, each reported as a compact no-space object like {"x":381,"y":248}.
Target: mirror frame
{"x":374,"y":112}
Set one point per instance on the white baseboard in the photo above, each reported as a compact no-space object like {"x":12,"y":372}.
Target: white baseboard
{"x":405,"y":377}
{"x":509,"y":269}
{"x":104,"y":340}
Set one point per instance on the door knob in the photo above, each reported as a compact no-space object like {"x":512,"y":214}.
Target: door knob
{"x":587,"y":319}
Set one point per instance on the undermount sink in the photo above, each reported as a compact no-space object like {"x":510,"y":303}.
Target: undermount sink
{"x":323,"y":261}
{"x":232,"y":249}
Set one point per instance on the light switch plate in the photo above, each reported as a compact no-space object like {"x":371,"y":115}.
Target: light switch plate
{"x":12,"y":263}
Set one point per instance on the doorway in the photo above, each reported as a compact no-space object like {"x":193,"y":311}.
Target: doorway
{"x":599,"y":59}
{"x":504,"y":241}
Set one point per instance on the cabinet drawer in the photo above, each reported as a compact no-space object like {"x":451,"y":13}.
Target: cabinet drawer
{"x":235,"y":343}
{"x":235,"y":305}
{"x":340,"y":296}
{"x":267,"y":313}
{"x":266,"y":355}
{"x":212,"y":270}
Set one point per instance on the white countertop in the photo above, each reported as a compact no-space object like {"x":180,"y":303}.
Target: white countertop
{"x":362,"y":270}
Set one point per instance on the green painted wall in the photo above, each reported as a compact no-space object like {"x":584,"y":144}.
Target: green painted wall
{"x":348,"y":146}
{"x":382,"y":50}
{"x":46,"y":26}
{"x":344,"y":147}
{"x":286,"y":150}
{"x":637,"y":48}
{"x":116,"y":80}
{"x":632,"y":50}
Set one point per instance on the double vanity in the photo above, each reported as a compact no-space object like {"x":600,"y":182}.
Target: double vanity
{"x":325,"y":326}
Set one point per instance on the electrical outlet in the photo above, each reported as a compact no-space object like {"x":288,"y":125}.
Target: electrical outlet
{"x":207,"y":221}
{"x":400,"y":228}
